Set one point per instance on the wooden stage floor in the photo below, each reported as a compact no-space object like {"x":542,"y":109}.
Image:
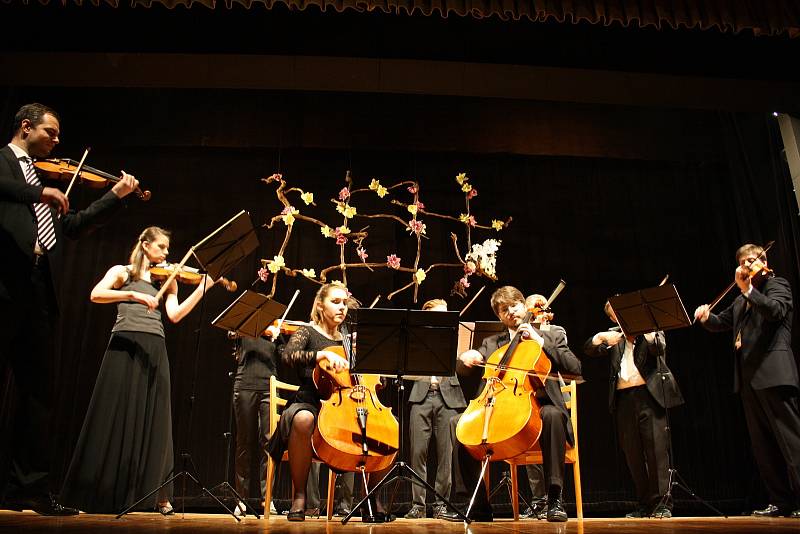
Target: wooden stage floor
{"x":29,"y":522}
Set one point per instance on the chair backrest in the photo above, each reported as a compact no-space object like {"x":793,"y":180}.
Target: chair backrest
{"x":277,"y":401}
{"x":571,"y":389}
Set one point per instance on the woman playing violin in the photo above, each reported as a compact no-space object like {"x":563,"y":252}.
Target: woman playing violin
{"x":304,"y":350}
{"x":125,"y":446}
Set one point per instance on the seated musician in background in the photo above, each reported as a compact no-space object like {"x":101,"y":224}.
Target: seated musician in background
{"x":535,"y":472}
{"x":257,"y":362}
{"x":638,"y":398}
{"x":765,"y":375}
{"x":508,"y":305}
{"x":434,"y":401}
{"x":304,"y":350}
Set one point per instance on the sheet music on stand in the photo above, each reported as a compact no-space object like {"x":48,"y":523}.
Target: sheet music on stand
{"x":250,"y":314}
{"x":648,"y":310}
{"x":226,"y":246}
{"x":414,"y":344}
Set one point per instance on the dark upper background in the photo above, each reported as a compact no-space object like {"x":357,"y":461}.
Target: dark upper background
{"x":639,"y":169}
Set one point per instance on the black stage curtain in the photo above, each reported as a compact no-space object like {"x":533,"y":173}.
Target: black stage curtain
{"x":762,"y":18}
{"x":604,"y":223}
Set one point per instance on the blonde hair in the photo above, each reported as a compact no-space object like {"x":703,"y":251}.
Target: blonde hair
{"x":434,"y":303}
{"x":505,"y":296}
{"x":748,"y":249}
{"x":137,"y":258}
{"x":316,"y":314}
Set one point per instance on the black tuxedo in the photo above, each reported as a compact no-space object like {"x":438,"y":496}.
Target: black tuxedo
{"x":765,"y":374}
{"x":28,"y":310}
{"x":640,"y":413}
{"x":649,"y":360}
{"x":556,"y":426}
{"x":431,"y":411}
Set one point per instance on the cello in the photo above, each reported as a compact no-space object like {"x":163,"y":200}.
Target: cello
{"x":512,"y":375}
{"x":354,"y":431}
{"x":508,"y":396}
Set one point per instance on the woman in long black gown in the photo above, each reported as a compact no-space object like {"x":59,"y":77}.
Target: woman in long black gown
{"x":125,"y":446}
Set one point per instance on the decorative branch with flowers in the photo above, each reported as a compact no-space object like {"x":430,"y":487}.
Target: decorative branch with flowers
{"x":479,"y":259}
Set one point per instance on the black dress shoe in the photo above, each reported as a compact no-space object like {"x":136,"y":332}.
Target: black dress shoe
{"x":537,"y":511}
{"x":639,"y":513}
{"x":341,"y":512}
{"x":555,"y":505}
{"x":662,"y":512}
{"x":795,"y":514}
{"x":297,"y":515}
{"x":770,"y":511}
{"x":49,"y":506}
{"x":479,"y":516}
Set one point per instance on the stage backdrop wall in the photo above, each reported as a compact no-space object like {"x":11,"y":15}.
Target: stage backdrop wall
{"x":608,"y":198}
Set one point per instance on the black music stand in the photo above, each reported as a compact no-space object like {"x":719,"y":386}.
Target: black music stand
{"x":250,"y":314}
{"x":397,"y":343}
{"x":650,"y":310}
{"x":247,"y":316}
{"x":216,"y":254}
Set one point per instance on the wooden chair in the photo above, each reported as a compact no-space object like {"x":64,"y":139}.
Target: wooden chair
{"x":276,"y":404}
{"x":534,"y":456}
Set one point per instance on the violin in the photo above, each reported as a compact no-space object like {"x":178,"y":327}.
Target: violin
{"x":288,"y":327}
{"x":185,"y":275}
{"x":757,"y":271}
{"x":354,"y":432}
{"x":64,"y":169}
{"x":541,"y":315}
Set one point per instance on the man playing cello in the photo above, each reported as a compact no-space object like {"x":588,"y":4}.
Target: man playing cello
{"x":508,"y":304}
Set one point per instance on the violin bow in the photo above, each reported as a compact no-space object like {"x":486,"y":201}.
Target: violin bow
{"x":556,"y":292}
{"x":288,"y":307}
{"x":471,"y":301}
{"x":174,"y":274}
{"x":528,"y":372}
{"x":727,"y":289}
{"x":77,"y":171}
{"x":374,"y":302}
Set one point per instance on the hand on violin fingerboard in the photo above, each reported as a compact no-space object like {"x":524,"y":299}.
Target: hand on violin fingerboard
{"x":742,"y":279}
{"x":126,"y":185}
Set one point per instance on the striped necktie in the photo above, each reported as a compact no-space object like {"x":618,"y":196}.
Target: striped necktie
{"x":44,"y":220}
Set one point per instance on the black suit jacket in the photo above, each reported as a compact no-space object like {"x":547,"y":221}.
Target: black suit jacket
{"x":651,"y":364}
{"x":765,"y":359}
{"x":556,"y":348}
{"x":449,"y":387}
{"x":18,"y":228}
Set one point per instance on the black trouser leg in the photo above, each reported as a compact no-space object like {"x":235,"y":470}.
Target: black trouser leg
{"x":420,"y":429}
{"x":26,"y":337}
{"x":774,"y":425}
{"x":554,"y":444}
{"x":466,"y":471}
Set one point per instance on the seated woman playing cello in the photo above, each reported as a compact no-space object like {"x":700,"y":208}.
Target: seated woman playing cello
{"x":305,"y":349}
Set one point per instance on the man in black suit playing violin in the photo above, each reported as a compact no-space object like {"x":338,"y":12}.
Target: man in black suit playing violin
{"x":765,"y":375}
{"x":34,"y":219}
{"x":508,"y":304}
{"x":640,"y":389}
